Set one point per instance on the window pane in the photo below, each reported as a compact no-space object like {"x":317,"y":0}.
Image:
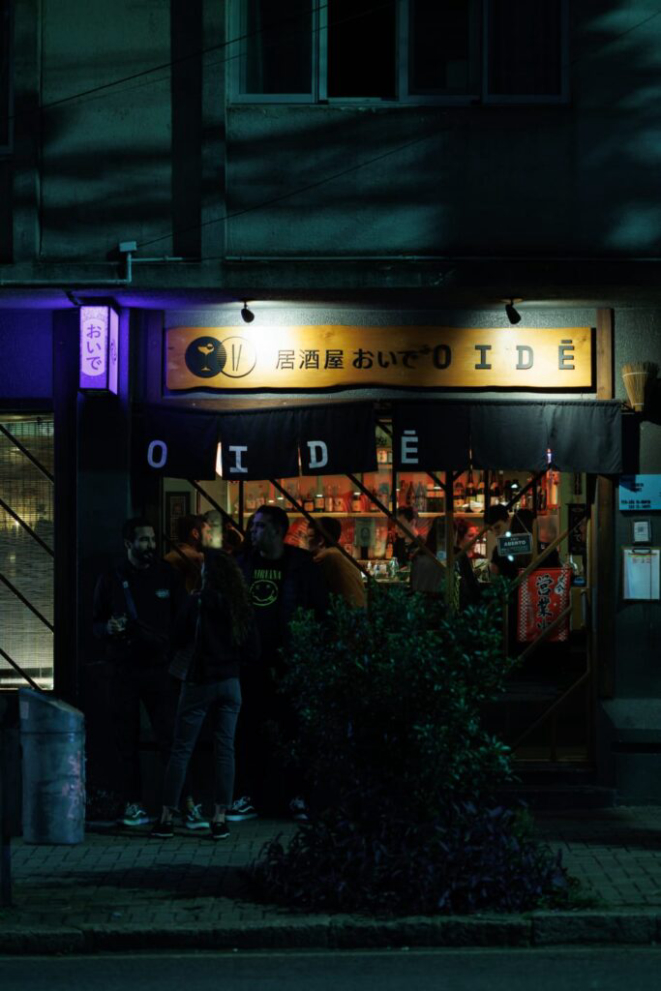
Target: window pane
{"x":525,"y":48}
{"x":361,"y":48}
{"x":443,"y":46}
{"x":23,"y":561}
{"x":278,"y":46}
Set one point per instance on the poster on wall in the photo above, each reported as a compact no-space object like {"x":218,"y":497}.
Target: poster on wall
{"x":641,"y":573}
{"x":640,"y":492}
{"x":542,"y":598}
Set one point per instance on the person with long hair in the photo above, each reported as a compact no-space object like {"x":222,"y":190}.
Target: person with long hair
{"x":215,"y":632}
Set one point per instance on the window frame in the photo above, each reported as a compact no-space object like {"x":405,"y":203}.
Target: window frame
{"x":318,"y":94}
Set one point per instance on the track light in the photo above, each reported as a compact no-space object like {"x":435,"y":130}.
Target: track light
{"x":512,"y":314}
{"x":246,"y":315}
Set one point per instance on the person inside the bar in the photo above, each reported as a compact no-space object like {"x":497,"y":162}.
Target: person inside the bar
{"x":403,"y":546}
{"x":428,"y":575}
{"x":341,"y":576}
{"x":469,"y":586}
{"x":499,"y":521}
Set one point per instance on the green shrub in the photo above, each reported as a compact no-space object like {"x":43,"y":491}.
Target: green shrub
{"x":404,"y":774}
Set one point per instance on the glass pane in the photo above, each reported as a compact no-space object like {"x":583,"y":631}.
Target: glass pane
{"x":23,"y":561}
{"x":525,"y":48}
{"x":278,"y":47}
{"x":443,"y":46}
{"x":361,"y":48}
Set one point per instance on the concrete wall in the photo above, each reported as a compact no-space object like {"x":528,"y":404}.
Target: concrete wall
{"x":130,"y":151}
{"x":106,"y":157}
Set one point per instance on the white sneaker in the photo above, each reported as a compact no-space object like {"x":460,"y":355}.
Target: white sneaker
{"x":298,"y":809}
{"x":193,"y":818}
{"x":134,"y":815}
{"x":241,"y":810}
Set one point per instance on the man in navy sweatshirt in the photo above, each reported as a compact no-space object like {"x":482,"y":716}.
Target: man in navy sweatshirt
{"x":135,"y":605}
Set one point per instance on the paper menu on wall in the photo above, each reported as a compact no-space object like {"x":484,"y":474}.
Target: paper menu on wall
{"x":641,"y":573}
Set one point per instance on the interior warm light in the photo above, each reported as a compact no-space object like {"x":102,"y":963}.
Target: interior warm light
{"x":219,"y":460}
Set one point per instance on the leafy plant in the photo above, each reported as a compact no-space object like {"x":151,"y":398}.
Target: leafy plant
{"x":389,"y":708}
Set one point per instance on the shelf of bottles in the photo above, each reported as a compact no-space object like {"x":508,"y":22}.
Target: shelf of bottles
{"x":367,"y":532}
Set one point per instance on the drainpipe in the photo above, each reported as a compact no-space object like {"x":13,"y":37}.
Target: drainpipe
{"x":126,"y":250}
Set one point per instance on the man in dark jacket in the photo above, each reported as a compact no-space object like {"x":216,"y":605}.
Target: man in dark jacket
{"x":135,"y":605}
{"x":280,"y":578}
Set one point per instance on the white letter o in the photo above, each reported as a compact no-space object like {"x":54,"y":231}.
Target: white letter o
{"x":151,"y":460}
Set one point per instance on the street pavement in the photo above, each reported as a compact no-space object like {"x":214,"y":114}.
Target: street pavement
{"x":575,"y":969}
{"x":122,"y":890}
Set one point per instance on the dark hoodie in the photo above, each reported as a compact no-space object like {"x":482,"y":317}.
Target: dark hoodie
{"x":214,"y":656}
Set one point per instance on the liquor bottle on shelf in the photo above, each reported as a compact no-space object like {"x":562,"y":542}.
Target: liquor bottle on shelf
{"x":410,"y":495}
{"x":328,"y":496}
{"x":356,"y":503}
{"x":429,"y":497}
{"x":471,"y":491}
{"x":480,"y":495}
{"x":495,"y":490}
{"x":420,"y":498}
{"x":459,"y":493}
{"x":389,"y":547}
{"x":308,"y":502}
{"x":251,"y":505}
{"x":319,"y":502}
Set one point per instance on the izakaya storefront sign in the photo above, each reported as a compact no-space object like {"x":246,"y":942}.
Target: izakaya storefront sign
{"x":270,"y":356}
{"x":341,"y":437}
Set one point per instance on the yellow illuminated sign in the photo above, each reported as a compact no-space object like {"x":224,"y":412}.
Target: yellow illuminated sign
{"x":270,"y":356}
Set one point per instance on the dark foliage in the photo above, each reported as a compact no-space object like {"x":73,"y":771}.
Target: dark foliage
{"x":389,"y":727}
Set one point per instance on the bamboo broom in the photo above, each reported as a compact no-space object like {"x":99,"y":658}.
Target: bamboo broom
{"x":639,"y":378}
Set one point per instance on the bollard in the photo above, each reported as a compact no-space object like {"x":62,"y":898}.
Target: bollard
{"x":53,"y":744}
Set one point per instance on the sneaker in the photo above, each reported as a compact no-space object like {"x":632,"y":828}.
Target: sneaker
{"x":298,"y":809}
{"x":219,"y":830}
{"x":193,"y":818}
{"x":162,"y":830}
{"x":240,"y":810}
{"x":134,"y":815}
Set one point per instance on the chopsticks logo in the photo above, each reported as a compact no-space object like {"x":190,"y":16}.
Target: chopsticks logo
{"x":208,"y":356}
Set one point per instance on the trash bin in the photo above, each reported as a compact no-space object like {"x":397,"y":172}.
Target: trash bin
{"x":53,"y":744}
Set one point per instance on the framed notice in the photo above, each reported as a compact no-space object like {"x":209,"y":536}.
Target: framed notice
{"x":641,"y":573}
{"x":177,"y":504}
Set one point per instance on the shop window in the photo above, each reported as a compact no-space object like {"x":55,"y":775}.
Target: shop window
{"x":26,"y":568}
{"x":418,"y":51}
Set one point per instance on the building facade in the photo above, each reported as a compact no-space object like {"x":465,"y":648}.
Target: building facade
{"x":393,"y":168}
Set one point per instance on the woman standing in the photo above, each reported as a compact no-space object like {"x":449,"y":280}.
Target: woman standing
{"x":214,"y":632}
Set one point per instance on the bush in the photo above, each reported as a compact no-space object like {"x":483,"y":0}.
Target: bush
{"x":389,"y":728}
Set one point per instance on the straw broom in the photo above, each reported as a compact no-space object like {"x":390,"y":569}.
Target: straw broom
{"x":639,"y":378}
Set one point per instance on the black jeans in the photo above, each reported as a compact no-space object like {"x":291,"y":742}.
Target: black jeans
{"x":223,"y":700}
{"x":129,"y":686}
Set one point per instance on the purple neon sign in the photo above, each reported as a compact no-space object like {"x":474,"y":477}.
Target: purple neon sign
{"x":99,"y":326}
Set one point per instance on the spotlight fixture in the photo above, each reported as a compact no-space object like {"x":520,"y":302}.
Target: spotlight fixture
{"x":512,"y":314}
{"x":246,"y":315}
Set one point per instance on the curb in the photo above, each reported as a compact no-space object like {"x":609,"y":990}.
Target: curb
{"x":541,"y":929}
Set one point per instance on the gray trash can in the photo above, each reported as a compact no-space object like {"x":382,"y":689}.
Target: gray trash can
{"x":53,"y":744}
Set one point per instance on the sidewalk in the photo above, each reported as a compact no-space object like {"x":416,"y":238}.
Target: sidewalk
{"x":123,"y":890}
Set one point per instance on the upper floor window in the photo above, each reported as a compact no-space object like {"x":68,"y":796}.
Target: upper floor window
{"x":400,"y":51}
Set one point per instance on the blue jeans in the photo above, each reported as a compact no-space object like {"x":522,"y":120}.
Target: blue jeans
{"x":223,"y":700}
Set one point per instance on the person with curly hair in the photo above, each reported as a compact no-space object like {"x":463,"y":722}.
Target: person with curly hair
{"x":215,"y":633}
